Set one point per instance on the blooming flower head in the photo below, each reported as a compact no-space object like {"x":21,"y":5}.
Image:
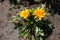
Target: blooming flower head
{"x":39,"y":13}
{"x":24,"y":14}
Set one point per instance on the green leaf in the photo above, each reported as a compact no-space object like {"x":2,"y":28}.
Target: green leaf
{"x":33,"y":37}
{"x":36,"y":30}
{"x":41,"y":38}
{"x":18,"y":1}
{"x":21,"y":33}
{"x":40,"y":30}
{"x":32,"y":10}
{"x":50,"y":25}
{"x":16,"y":17}
{"x":41,"y":33}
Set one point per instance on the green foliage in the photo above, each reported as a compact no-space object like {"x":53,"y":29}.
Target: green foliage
{"x":30,"y":28}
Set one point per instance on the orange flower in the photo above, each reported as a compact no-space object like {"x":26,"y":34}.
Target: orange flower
{"x":24,"y":14}
{"x":39,"y":13}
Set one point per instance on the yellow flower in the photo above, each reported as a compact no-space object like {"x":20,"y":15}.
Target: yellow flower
{"x":39,"y":13}
{"x":24,"y":14}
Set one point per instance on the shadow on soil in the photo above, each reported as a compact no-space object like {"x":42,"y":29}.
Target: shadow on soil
{"x":31,"y":2}
{"x":1,"y":0}
{"x":13,"y":2}
{"x":55,"y":6}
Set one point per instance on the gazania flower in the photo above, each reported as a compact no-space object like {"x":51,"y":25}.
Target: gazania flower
{"x":39,"y":13}
{"x":24,"y":14}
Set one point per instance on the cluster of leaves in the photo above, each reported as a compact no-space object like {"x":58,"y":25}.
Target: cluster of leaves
{"x":31,"y":29}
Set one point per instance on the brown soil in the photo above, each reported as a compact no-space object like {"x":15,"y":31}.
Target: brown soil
{"x":7,"y":31}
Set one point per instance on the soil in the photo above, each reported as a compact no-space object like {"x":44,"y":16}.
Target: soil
{"x":7,"y":31}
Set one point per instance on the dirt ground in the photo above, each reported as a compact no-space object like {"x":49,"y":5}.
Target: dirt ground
{"x":7,"y":31}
